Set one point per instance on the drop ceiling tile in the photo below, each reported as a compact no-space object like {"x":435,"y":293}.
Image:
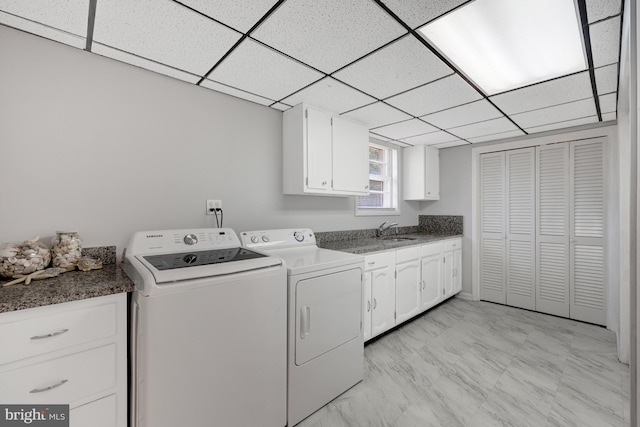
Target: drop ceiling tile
{"x":473,"y":112}
{"x":439,"y":95}
{"x":258,"y":69}
{"x":609,"y":116}
{"x":241,"y":15}
{"x":378,"y":114}
{"x":118,"y":55}
{"x":600,"y":9}
{"x":563,"y":125}
{"x":42,"y":30}
{"x":328,"y":34}
{"x":605,"y":41}
{"x":380,"y":137}
{"x":451,"y":144}
{"x":546,"y":94}
{"x":164,"y":32}
{"x":496,"y":136}
{"x":405,"y":129}
{"x":487,"y":127}
{"x":65,"y":15}
{"x":219,"y":87}
{"x":402,"y":65}
{"x":418,"y":12}
{"x":607,"y":78}
{"x":432,"y":138}
{"x":280,"y":106}
{"x":331,"y":95}
{"x":557,"y":113}
{"x":608,"y":103}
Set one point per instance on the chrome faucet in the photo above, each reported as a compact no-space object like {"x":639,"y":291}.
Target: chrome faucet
{"x":384,"y":227}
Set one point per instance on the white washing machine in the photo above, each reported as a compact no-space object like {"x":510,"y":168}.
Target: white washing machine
{"x":325,"y":344}
{"x":208,"y":331}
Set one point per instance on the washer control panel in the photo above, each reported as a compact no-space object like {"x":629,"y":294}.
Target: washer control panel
{"x":183,"y":240}
{"x":282,"y":238}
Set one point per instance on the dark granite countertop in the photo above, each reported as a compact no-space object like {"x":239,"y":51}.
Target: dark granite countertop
{"x":372,"y":244}
{"x":70,"y":286}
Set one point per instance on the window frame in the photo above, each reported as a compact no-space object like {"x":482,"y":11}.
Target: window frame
{"x":390,"y":178}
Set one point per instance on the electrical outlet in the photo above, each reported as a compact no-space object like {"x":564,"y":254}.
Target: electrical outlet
{"x":213,"y":205}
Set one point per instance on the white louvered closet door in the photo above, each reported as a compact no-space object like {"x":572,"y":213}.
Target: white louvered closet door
{"x":520,"y":228}
{"x":492,"y":220}
{"x":552,"y":229}
{"x":588,"y":231}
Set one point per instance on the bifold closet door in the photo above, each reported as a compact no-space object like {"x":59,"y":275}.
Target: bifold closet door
{"x":552,"y":229}
{"x":588,"y":231}
{"x":492,"y":220}
{"x":520,"y":228}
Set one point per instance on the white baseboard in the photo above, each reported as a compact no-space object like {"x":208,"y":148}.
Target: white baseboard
{"x":465,"y":295}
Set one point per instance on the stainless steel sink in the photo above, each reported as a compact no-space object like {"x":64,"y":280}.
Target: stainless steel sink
{"x":397,"y":239}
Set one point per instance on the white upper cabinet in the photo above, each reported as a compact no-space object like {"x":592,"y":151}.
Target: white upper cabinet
{"x":324,"y":154}
{"x":421,"y":173}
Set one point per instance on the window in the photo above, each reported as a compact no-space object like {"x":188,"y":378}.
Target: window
{"x":383,"y":183}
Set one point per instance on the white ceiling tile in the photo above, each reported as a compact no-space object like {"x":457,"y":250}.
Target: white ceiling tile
{"x":328,"y":34}
{"x":451,"y":144}
{"x":607,"y":79}
{"x":557,"y":113}
{"x":563,"y":125}
{"x":609,"y":116}
{"x":380,"y":137}
{"x":147,"y":64}
{"x":241,"y":15}
{"x":608,"y":103}
{"x":402,"y":65}
{"x":405,"y":129}
{"x":219,"y":87}
{"x":280,"y":106}
{"x":258,"y":69}
{"x":42,"y":30}
{"x":496,"y":136}
{"x":439,"y":95}
{"x":331,"y":95}
{"x":600,"y":9}
{"x":605,"y":41}
{"x":546,"y":94}
{"x":378,"y":114}
{"x":487,"y":127}
{"x":418,"y":12}
{"x":66,"y":15}
{"x":431,"y":138}
{"x":165,"y":32}
{"x":473,"y":112}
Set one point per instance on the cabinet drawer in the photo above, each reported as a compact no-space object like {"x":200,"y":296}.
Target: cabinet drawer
{"x":408,"y":254}
{"x":452,"y":244}
{"x":62,"y":380}
{"x":432,"y":248}
{"x":379,"y":260}
{"x":54,"y":330}
{"x":100,"y":413}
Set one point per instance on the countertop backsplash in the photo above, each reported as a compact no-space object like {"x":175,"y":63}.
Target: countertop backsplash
{"x":440,"y":224}
{"x":335,"y":236}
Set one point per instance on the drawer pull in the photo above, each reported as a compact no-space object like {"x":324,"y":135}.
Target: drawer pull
{"x":52,"y":334}
{"x":51,"y":387}
{"x":368,"y":306}
{"x":372,"y":263}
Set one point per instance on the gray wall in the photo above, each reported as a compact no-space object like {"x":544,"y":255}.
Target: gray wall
{"x":105,"y":148}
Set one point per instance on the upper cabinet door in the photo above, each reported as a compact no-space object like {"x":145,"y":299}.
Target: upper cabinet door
{"x":318,"y":142}
{"x":421,"y":173}
{"x":350,"y":156}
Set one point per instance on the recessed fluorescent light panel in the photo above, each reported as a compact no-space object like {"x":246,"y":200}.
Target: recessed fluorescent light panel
{"x":506,"y":44}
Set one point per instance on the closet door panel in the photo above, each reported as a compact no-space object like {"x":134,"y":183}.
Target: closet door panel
{"x":520,"y":228}
{"x":552,"y":229}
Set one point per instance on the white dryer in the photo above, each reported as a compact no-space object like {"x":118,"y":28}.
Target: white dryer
{"x":325,"y":335}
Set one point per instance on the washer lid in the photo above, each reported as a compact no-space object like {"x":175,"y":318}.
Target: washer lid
{"x":312,"y":258}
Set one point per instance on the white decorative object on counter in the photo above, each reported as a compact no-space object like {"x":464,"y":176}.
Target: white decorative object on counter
{"x":23,"y":258}
{"x":66,"y":249}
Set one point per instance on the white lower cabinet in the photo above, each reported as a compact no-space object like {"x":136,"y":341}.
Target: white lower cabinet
{"x":380,"y":297}
{"x":72,"y":353}
{"x":408,"y":283}
{"x":452,"y":267}
{"x":432,"y":274}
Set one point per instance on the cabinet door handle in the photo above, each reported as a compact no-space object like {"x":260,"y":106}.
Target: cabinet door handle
{"x":372,"y":263}
{"x":423,"y":285}
{"x":368,"y":306}
{"x":52,"y":334}
{"x":375,"y":303}
{"x":51,"y":387}
{"x":366,"y":187}
{"x":324,"y":182}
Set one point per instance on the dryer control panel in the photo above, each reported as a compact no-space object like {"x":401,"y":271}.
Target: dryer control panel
{"x":282,"y":238}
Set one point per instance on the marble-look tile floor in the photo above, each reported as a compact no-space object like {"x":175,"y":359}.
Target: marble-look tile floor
{"x":468,"y":363}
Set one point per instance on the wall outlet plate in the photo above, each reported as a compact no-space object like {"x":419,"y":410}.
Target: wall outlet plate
{"x":213,"y":205}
